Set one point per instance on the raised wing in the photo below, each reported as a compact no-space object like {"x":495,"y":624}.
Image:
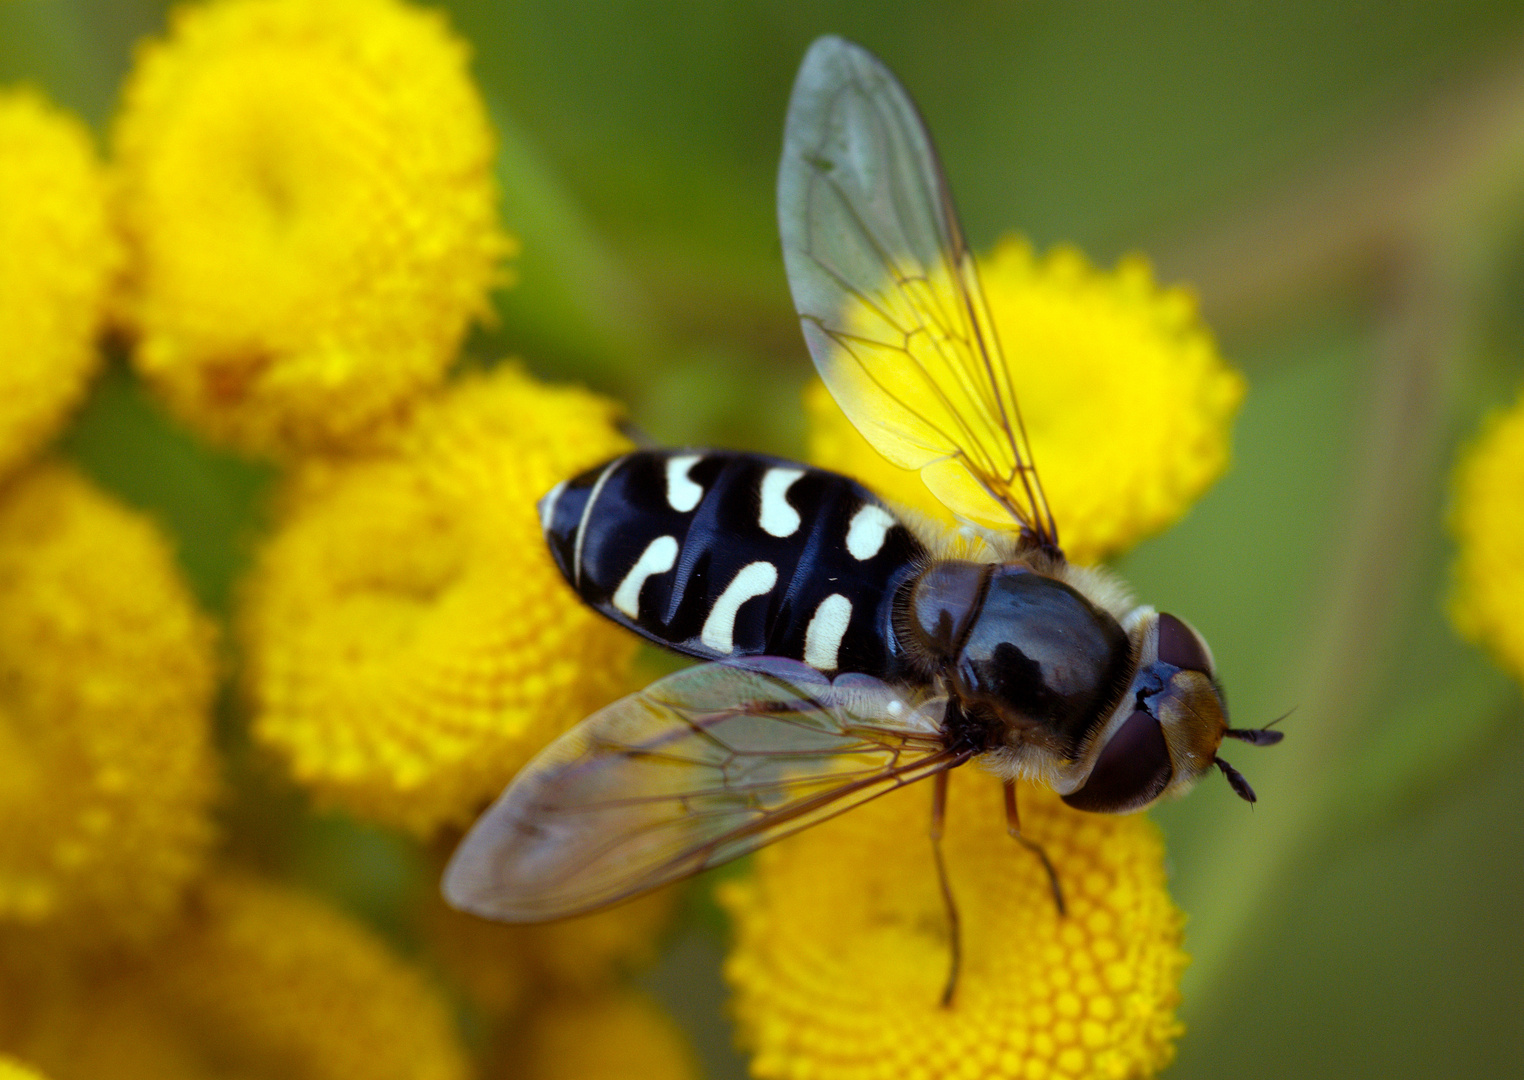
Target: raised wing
{"x":888,"y":293}
{"x":697,"y":769}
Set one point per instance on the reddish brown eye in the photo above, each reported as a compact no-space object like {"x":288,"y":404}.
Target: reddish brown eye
{"x":1180,"y":647}
{"x":1131,"y":772}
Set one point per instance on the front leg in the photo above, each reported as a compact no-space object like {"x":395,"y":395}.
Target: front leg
{"x":938,"y":816}
{"x":1013,"y":826}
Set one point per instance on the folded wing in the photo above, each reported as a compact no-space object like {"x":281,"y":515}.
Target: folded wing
{"x":697,"y":769}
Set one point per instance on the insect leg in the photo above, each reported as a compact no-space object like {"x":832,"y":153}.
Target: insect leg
{"x":1013,"y":826}
{"x":938,"y":813}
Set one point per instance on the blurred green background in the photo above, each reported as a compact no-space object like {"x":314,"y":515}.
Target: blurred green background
{"x":1343,"y":183}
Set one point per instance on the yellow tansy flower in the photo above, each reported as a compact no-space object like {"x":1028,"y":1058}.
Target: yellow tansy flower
{"x":57,"y":258}
{"x":1487,"y":518}
{"x":411,"y":642}
{"x":258,"y":982}
{"x":308,"y":197}
{"x":106,"y":766}
{"x":11,"y":1069}
{"x":500,"y":965}
{"x":1126,"y":402}
{"x":616,"y":1035}
{"x":842,"y":945}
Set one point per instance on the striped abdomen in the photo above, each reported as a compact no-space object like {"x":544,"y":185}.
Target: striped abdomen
{"x":718,"y":554}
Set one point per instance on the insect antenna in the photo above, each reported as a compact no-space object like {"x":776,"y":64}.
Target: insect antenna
{"x":1255,"y":736}
{"x":1236,"y":779}
{"x":1259,"y":736}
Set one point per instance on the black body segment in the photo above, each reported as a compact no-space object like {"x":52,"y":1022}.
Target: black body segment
{"x":718,"y":554}
{"x":1043,"y":656}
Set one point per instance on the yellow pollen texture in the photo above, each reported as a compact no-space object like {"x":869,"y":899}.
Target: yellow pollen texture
{"x":257,"y":982}
{"x":410,"y":642}
{"x":1127,"y":405}
{"x":58,"y":255}
{"x":841,"y":947}
{"x":106,"y":680}
{"x":1487,"y":519}
{"x":308,"y":197}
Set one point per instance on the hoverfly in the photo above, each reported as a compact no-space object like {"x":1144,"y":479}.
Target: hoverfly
{"x":849,"y":653}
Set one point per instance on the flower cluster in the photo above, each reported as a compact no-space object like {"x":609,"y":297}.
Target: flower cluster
{"x":547,"y":987}
{"x":1487,"y":518}
{"x":58,"y":257}
{"x":634,"y":1039}
{"x":294,"y":229}
{"x":11,"y":1069}
{"x":255,"y":980}
{"x":108,"y":671}
{"x":295,"y":226}
{"x":410,"y":642}
{"x":843,"y":945}
{"x":307,"y":192}
{"x":500,"y":967}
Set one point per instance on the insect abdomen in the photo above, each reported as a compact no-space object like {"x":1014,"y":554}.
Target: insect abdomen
{"x":719,"y":554}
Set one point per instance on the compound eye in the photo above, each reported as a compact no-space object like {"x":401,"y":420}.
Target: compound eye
{"x":1132,"y":771}
{"x":1180,"y":647}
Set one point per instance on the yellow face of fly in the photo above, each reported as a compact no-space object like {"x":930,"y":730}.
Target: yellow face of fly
{"x":1191,"y":714}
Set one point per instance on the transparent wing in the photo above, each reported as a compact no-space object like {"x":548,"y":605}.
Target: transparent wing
{"x":697,"y":769}
{"x":888,"y":293}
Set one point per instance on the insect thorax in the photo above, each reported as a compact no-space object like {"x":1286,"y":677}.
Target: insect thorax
{"x":1028,"y":658}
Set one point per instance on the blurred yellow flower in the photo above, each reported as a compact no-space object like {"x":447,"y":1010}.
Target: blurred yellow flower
{"x":410,"y":641}
{"x":57,"y":258}
{"x":615,"y":1035}
{"x":11,"y":1069}
{"x":307,"y":192}
{"x":106,"y":767}
{"x":842,"y":945}
{"x":258,"y":982}
{"x":499,"y":965}
{"x":1487,"y":518}
{"x":1127,"y":404}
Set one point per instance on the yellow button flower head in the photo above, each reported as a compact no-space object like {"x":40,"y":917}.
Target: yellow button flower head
{"x":57,"y":258}
{"x":500,"y":965}
{"x":1487,"y":518}
{"x":277,"y":973}
{"x":411,"y":642}
{"x":258,"y":982}
{"x":307,"y":193}
{"x":106,"y":767}
{"x":615,"y":1035}
{"x":1126,"y":402}
{"x":11,"y":1069}
{"x":842,"y":945}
